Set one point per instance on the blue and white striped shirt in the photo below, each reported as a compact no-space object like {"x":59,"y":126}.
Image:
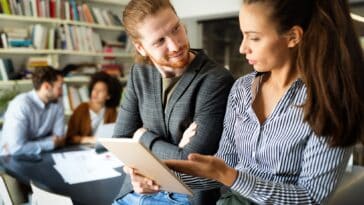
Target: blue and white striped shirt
{"x":280,"y":161}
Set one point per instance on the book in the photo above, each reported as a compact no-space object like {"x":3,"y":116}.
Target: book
{"x":7,"y":69}
{"x":5,"y":6}
{"x":134,"y":154}
{"x":66,"y":100}
{"x":4,"y":40}
{"x":74,"y":97}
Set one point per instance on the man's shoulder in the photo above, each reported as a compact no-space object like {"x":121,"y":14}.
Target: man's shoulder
{"x":142,"y":71}
{"x":209,"y":66}
{"x":20,"y":104}
{"x":142,"y":68}
{"x":22,"y":99}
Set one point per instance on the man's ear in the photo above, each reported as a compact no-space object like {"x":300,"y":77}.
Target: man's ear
{"x":294,"y":36}
{"x":46,"y":86}
{"x":139,"y":47}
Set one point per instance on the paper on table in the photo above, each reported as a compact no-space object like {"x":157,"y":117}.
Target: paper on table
{"x":84,"y":166}
{"x":108,"y":159}
{"x":41,"y":197}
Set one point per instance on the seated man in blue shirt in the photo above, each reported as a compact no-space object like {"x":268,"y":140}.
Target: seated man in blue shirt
{"x":34,"y":121}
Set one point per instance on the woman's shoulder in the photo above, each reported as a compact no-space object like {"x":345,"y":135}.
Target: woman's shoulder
{"x":83,"y":107}
{"x":245,"y":81}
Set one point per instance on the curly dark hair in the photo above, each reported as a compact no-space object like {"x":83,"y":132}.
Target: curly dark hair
{"x":114,"y":87}
{"x":44,"y":74}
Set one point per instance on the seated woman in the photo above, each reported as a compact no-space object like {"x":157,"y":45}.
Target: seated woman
{"x":290,"y":126}
{"x":105,"y":93}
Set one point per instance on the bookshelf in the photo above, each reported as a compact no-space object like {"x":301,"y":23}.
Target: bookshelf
{"x":45,"y":20}
{"x":31,"y":51}
{"x":69,"y":16}
{"x":80,"y":39}
{"x":64,"y":23}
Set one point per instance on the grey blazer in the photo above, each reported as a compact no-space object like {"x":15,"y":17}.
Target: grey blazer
{"x":200,"y":96}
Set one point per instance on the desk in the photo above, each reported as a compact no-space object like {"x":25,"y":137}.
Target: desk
{"x":45,"y":176}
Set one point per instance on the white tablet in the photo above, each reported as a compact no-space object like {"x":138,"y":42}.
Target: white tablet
{"x":134,"y":154}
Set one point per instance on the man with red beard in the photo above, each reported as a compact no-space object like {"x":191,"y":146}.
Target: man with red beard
{"x":175,"y":98}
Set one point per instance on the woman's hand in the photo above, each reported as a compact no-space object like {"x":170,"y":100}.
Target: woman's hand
{"x":141,"y":184}
{"x":205,"y":166}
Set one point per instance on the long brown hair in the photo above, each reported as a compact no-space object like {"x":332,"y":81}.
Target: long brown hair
{"x":331,"y":64}
{"x":135,"y":12}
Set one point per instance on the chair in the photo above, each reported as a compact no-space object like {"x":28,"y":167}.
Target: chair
{"x":11,"y":191}
{"x":350,"y":190}
{"x":42,"y":197}
{"x":4,"y":193}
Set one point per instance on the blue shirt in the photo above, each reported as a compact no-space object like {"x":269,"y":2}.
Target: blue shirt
{"x":279,"y":161}
{"x":30,"y":124}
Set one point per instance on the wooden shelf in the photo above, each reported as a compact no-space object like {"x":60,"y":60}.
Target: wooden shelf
{"x":67,"y":80}
{"x":58,"y":21}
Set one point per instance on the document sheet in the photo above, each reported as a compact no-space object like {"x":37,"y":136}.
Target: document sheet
{"x":86,"y":165}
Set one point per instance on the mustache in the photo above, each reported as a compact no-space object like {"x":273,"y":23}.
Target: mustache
{"x":177,"y":53}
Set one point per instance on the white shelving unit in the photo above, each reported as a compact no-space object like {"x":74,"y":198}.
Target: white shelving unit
{"x":31,"y":51}
{"x":107,"y":32}
{"x":43,"y":20}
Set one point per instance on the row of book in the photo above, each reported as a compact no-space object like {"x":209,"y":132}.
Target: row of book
{"x":61,"y":9}
{"x":77,"y":38}
{"x":73,"y":96}
{"x":65,"y":37}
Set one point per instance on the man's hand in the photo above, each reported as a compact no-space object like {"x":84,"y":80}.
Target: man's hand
{"x":188,"y":134}
{"x":141,"y":184}
{"x":205,"y":166}
{"x":59,"y":141}
{"x":88,"y":140}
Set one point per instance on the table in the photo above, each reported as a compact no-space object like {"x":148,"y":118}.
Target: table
{"x":45,"y":176}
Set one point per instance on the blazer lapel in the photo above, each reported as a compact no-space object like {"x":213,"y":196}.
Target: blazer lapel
{"x":184,"y":82}
{"x":158,"y":99}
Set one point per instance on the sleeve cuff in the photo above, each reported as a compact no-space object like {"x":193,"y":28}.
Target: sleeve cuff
{"x":148,"y":138}
{"x":244,"y":184}
{"x":47,"y":145}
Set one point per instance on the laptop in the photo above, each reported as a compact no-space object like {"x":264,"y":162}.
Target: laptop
{"x":103,"y":131}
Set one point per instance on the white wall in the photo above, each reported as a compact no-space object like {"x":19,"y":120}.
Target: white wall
{"x":192,"y":11}
{"x":206,"y":9}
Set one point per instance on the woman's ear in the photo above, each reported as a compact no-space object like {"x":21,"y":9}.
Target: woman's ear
{"x":294,"y":36}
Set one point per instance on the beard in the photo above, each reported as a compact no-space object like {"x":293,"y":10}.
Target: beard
{"x":169,"y":61}
{"x":52,"y":98}
{"x":53,"y":101}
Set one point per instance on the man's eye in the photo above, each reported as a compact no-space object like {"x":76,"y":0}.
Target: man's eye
{"x":159,"y":42}
{"x":175,"y":30}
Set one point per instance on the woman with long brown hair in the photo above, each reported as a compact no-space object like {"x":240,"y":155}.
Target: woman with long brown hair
{"x":289,"y":126}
